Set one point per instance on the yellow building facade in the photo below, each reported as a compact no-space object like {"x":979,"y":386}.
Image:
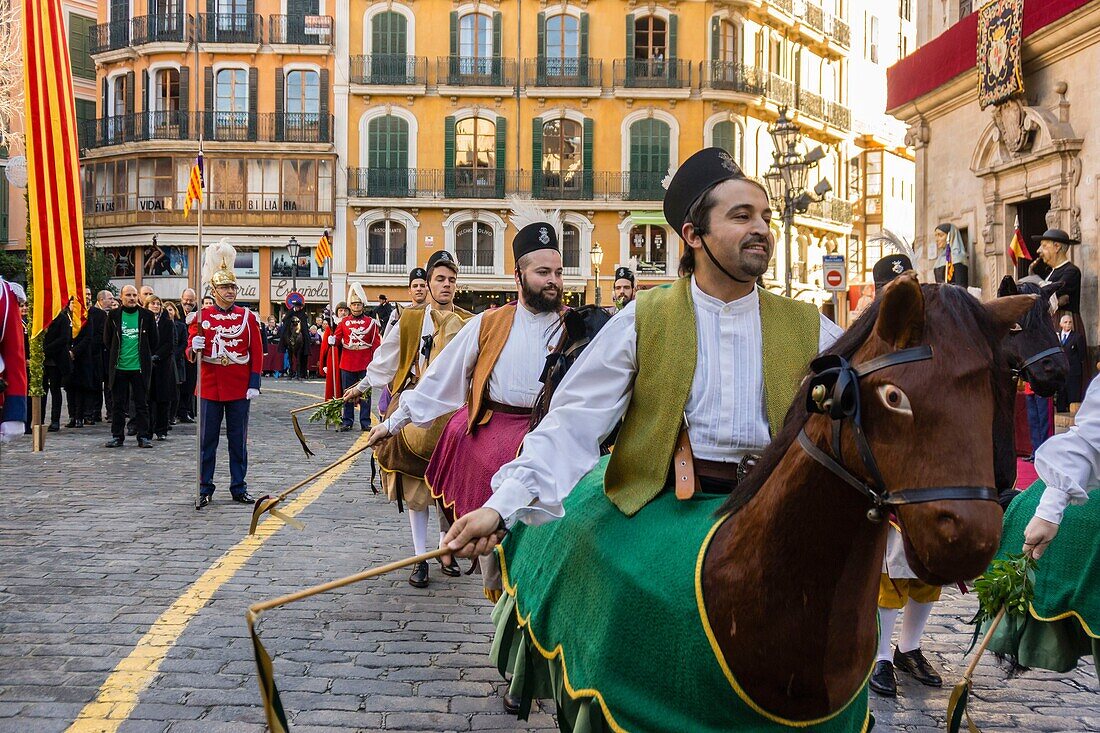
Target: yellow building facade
{"x":453,"y":108}
{"x":253,"y":79}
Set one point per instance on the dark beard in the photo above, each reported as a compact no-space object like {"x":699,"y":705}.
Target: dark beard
{"x":537,"y":301}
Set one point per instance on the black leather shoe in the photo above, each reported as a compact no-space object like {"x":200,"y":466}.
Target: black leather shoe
{"x":452,"y":570}
{"x":204,"y":500}
{"x":244,"y":498}
{"x":53,"y":427}
{"x":511,"y":704}
{"x":914,"y":663}
{"x":145,"y":443}
{"x":419,"y":578}
{"x":113,"y":443}
{"x":883,"y":680}
{"x":162,"y":436}
{"x":186,"y":420}
{"x":79,"y":424}
{"x":344,"y":429}
{"x":71,"y":424}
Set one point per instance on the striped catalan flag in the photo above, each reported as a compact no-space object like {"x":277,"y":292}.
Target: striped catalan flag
{"x":324,"y":249}
{"x":53,"y":172}
{"x":194,"y":187}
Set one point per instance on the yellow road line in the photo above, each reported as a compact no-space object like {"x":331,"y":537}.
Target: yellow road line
{"x":118,"y":696}
{"x":314,"y":397}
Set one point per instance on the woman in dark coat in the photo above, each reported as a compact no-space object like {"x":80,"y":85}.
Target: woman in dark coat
{"x":163,"y":386}
{"x":178,"y":358}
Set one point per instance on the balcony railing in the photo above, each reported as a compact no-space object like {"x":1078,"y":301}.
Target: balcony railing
{"x":734,"y":76}
{"x":389,"y":268}
{"x":838,"y":30}
{"x":216,"y":126}
{"x":578,"y":72}
{"x":230,"y":28}
{"x":110,"y":36}
{"x":475,"y":263}
{"x":389,"y":69}
{"x":405,"y":183}
{"x":838,"y":115}
{"x":652,"y":73}
{"x":472,"y":72}
{"x":814,"y":17}
{"x":838,"y":211}
{"x":811,"y":104}
{"x":780,"y":90}
{"x":303,"y":30}
{"x":167,"y":28}
{"x":786,"y":6}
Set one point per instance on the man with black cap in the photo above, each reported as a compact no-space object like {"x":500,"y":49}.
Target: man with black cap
{"x":712,"y":396}
{"x":888,"y":268}
{"x":1054,"y":247}
{"x":399,"y":362}
{"x":623,"y":288}
{"x":490,"y":374}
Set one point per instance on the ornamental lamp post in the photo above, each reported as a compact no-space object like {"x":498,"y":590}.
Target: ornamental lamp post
{"x":293,"y":248}
{"x":786,"y":180}
{"x":596,"y":253}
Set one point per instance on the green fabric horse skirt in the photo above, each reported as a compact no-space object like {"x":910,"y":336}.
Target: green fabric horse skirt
{"x":605,"y":614}
{"x":1063,"y":623}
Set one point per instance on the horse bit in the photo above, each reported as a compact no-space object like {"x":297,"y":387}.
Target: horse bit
{"x":834,"y":391}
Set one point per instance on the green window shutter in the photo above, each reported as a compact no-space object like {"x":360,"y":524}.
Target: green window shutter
{"x":586,"y":157}
{"x":629,"y":36}
{"x":80,"y":34}
{"x":185,"y":101}
{"x":85,"y":118}
{"x":4,"y":214}
{"x":582,"y":62}
{"x":128,"y":123}
{"x":253,"y":93}
{"x":454,"y":33}
{"x":208,"y":101}
{"x":672,"y":24}
{"x":536,"y":158}
{"x":449,"y":156}
{"x":541,"y":46}
{"x":498,"y":22}
{"x":715,"y":39}
{"x":323,"y":107}
{"x":280,"y":104}
{"x":502,"y":140}
{"x":143,"y":91}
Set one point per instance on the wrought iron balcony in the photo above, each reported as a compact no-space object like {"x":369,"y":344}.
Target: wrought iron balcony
{"x":110,"y":36}
{"x":835,"y":210}
{"x":302,"y":30}
{"x":389,"y":69}
{"x":577,"y":72}
{"x":814,"y":17}
{"x":837,"y":29}
{"x":734,"y":76}
{"x":377,"y":261}
{"x":474,"y":262}
{"x":298,"y":127}
{"x":407,"y":183}
{"x":473,"y":72}
{"x":167,"y":28}
{"x":786,"y":6}
{"x":838,"y":115}
{"x":396,"y":183}
{"x":652,"y":73}
{"x":811,"y":104}
{"x":230,"y":28}
{"x":289,"y":127}
{"x":780,"y":90}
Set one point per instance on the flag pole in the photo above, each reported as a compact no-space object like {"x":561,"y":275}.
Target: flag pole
{"x":201,"y":290}
{"x":337,"y":381}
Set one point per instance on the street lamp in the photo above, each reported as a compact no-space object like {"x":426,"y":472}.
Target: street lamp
{"x":786,"y":180}
{"x":293,"y":248}
{"x":596,"y":253}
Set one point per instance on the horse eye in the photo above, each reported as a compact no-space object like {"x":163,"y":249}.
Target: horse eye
{"x":895,"y":399}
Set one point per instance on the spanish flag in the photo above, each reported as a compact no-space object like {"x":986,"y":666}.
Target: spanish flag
{"x":1017,"y":250}
{"x":324,"y":250}
{"x":194,"y":187}
{"x":53,"y":172}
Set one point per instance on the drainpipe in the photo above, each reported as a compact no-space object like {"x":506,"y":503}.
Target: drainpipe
{"x":519,"y":75}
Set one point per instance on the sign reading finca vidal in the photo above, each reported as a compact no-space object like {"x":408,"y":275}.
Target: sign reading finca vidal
{"x":314,"y":291}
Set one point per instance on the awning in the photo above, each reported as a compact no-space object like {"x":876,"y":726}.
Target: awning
{"x":648,"y":217}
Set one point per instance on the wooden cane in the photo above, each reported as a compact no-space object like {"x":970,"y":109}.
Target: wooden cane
{"x":269,"y":693}
{"x":298,"y":428}
{"x":957,"y":705}
{"x":267,"y":503}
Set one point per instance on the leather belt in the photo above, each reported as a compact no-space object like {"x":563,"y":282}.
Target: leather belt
{"x":718,"y":470}
{"x":506,"y":409}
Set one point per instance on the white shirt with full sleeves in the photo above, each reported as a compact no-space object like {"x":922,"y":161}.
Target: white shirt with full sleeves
{"x":1069,"y":464}
{"x":514,"y":379}
{"x":387,"y":359}
{"x":726,"y":415}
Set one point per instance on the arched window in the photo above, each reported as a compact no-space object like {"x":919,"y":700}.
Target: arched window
{"x":727,"y":48}
{"x":303,"y":105}
{"x":649,"y":244}
{"x":475,"y":154}
{"x":387,"y":242}
{"x":727,"y":135}
{"x":571,"y":248}
{"x":475,"y":44}
{"x":231,"y":105}
{"x":389,"y":46}
{"x":649,"y":159}
{"x":563,"y":45}
{"x":474,"y":247}
{"x":388,"y":156}
{"x":650,"y":38}
{"x":562,"y":157}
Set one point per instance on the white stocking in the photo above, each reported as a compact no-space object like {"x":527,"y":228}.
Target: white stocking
{"x":913,"y":622}
{"x":886,"y":619}
{"x":418,"y":520}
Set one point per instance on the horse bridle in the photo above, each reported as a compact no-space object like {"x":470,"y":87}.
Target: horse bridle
{"x":1019,"y":371}
{"x":834,"y":392}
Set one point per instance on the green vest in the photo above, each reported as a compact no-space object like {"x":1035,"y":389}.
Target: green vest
{"x":667,"y":354}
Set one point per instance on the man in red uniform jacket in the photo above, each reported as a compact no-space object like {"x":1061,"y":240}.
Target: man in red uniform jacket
{"x":329,"y":360}
{"x":357,"y":336}
{"x":228,"y":338}
{"x":13,"y":363}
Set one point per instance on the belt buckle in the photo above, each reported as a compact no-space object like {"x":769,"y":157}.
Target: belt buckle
{"x":745,"y":466}
{"x":225,"y":360}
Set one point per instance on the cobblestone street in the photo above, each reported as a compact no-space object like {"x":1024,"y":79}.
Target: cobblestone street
{"x":122,"y":608}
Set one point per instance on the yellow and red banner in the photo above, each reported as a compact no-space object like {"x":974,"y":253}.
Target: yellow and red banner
{"x":194,"y":187}
{"x":324,"y":250}
{"x":53,"y":166}
{"x":1017,"y":249}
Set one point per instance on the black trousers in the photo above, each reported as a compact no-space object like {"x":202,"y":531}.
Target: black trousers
{"x":129,"y":384}
{"x":51,"y":386}
{"x":81,"y":402}
{"x":160,"y":410}
{"x":187,"y":407}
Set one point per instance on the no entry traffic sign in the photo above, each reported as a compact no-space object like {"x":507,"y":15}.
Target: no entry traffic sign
{"x":834,"y":272}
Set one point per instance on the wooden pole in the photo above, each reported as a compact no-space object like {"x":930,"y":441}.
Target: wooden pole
{"x":198,"y":312}
{"x":266,"y":503}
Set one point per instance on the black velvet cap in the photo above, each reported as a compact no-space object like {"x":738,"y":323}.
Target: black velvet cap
{"x":417,"y":273}
{"x":704,"y":169}
{"x":890,"y":267}
{"x":441,"y":258}
{"x":624,"y":273}
{"x":534,"y":237}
